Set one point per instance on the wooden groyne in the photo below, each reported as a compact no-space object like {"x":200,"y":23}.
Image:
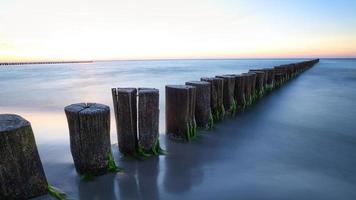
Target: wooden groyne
{"x":44,"y":63}
{"x":228,"y":94}
{"x":198,"y":104}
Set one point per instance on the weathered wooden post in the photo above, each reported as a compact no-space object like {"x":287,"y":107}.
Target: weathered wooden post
{"x":125,"y":107}
{"x":279,"y":79}
{"x":89,"y":131}
{"x":248,"y":83}
{"x":229,"y":91}
{"x":203,"y":115}
{"x":259,"y":86}
{"x":217,"y":97}
{"x":240,"y":92}
{"x":270,"y":79}
{"x":253,"y":78}
{"x":180,"y":112}
{"x":21,"y":171}
{"x":148,"y":120}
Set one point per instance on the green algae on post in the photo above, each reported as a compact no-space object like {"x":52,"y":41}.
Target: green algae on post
{"x":180,"y":112}
{"x":202,"y":103}
{"x":211,"y":122}
{"x":111,"y":166}
{"x":56,"y":193}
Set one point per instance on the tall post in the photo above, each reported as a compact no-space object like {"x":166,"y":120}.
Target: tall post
{"x":148,"y":119}
{"x":125,"y":106}
{"x":180,"y":120}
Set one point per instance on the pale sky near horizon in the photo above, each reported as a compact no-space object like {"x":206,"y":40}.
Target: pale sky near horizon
{"x":154,"y":29}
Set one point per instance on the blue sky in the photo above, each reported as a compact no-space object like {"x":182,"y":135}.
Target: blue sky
{"x":142,"y":29}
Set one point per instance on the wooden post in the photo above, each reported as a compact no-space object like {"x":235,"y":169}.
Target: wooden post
{"x":259,"y":86}
{"x":203,"y":116}
{"x":229,"y":90}
{"x":217,"y":97}
{"x":89,"y":131}
{"x":125,"y":106}
{"x":279,"y":79}
{"x":21,"y":171}
{"x":240,"y":92}
{"x":248,"y":83}
{"x":270,"y":79}
{"x":148,"y":119}
{"x":253,"y":79}
{"x":180,"y":111}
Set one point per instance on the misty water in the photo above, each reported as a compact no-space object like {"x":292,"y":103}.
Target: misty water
{"x":298,"y":142}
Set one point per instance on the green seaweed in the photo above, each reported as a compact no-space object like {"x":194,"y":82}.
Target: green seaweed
{"x":210,"y":122}
{"x":111,"y":165}
{"x":233,"y":107}
{"x":222,"y":112}
{"x":56,"y":193}
{"x":87,"y":177}
{"x":157,"y":148}
{"x":140,"y":153}
{"x":188,"y":134}
{"x":191,"y":131}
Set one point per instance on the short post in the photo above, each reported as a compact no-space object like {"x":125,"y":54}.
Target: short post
{"x":229,"y":90}
{"x":203,"y":116}
{"x":125,"y":107}
{"x":248,"y":86}
{"x":270,"y":79}
{"x":217,"y":97}
{"x":278,"y":79}
{"x":240,"y":92}
{"x":252,"y":87}
{"x":180,"y":111}
{"x":259,"y":86}
{"x":148,"y":119}
{"x":21,"y":171}
{"x":89,"y":131}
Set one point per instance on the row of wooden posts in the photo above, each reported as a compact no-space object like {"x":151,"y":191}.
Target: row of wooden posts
{"x":197,"y":104}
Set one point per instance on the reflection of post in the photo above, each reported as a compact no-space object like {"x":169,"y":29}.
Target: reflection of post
{"x":203,"y":115}
{"x":102,"y":188}
{"x":148,"y":118}
{"x":89,"y":130}
{"x":125,"y":104}
{"x":180,"y":105}
{"x":21,"y":171}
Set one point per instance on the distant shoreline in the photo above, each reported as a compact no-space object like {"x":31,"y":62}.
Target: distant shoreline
{"x":44,"y":62}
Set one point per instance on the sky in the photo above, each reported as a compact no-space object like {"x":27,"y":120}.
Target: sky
{"x":161,"y":29}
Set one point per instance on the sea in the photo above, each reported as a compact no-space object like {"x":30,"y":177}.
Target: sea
{"x":299,"y":142}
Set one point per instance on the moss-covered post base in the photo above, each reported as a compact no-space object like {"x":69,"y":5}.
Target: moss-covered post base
{"x":180,"y":112}
{"x":217,"y":97}
{"x":203,"y":115}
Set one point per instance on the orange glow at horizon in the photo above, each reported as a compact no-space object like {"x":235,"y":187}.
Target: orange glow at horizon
{"x":124,"y":29}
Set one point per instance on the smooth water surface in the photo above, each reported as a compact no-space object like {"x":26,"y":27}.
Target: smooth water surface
{"x":298,"y":142}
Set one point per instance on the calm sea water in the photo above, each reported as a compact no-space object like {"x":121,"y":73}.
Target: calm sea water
{"x":40,"y":92}
{"x":298,"y":142}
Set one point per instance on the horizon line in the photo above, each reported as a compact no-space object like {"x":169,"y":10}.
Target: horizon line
{"x":162,"y":59}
